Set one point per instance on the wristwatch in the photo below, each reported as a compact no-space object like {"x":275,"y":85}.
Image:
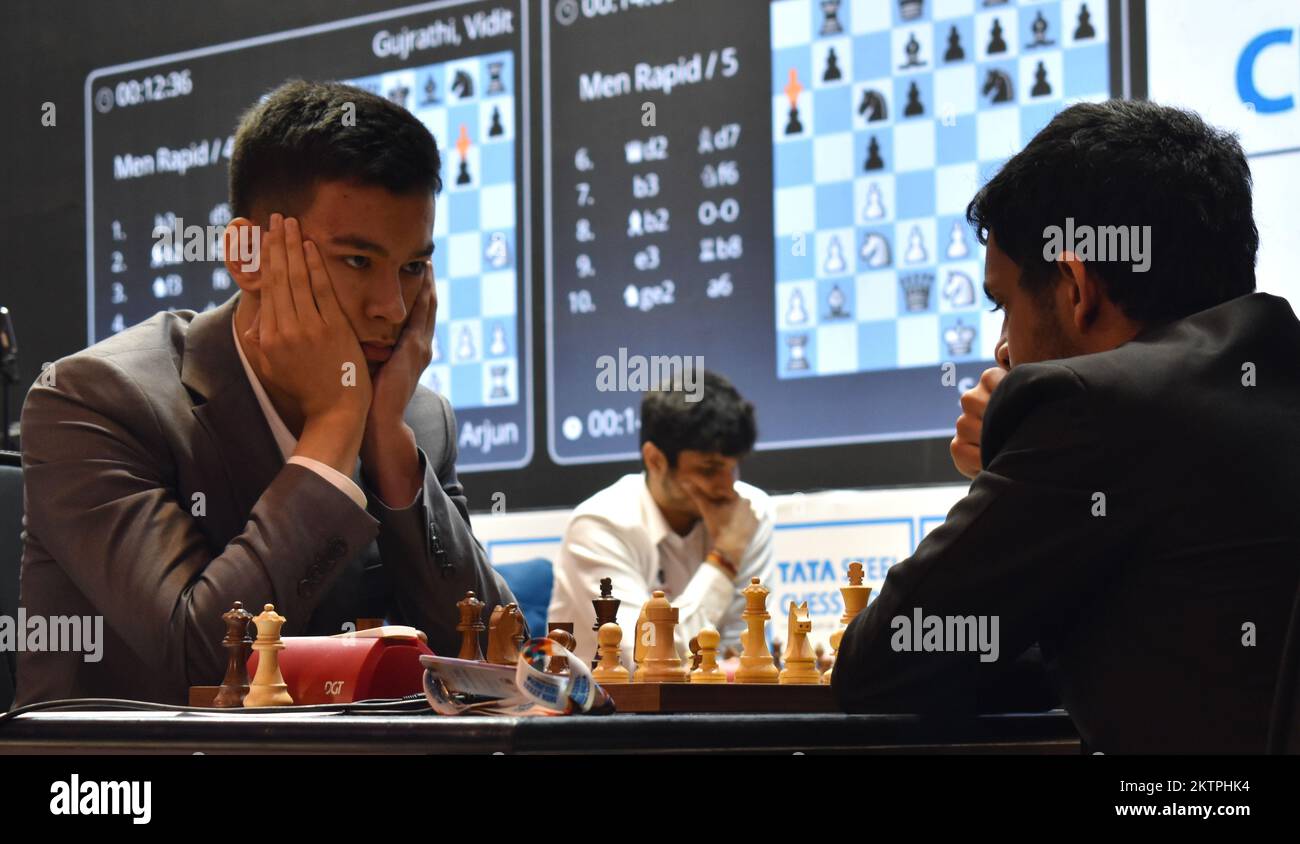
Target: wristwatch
{"x":719,"y":559}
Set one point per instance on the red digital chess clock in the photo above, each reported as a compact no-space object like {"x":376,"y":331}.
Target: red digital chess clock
{"x":383,"y":662}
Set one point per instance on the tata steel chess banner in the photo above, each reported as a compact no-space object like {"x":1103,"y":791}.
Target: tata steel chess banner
{"x":817,"y":536}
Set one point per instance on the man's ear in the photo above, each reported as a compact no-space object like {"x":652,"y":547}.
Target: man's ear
{"x":242,"y":241}
{"x":655,"y":461}
{"x":1083,"y":291}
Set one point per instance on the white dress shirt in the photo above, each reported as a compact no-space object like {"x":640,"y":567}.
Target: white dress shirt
{"x":286,"y":441}
{"x":620,"y":533}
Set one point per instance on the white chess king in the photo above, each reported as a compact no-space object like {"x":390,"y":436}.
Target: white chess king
{"x":959,"y":338}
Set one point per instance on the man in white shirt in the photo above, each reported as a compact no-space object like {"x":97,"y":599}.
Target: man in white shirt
{"x":685,"y":525}
{"x":275,"y":449}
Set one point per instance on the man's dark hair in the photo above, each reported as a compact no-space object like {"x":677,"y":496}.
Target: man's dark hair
{"x":1127,"y":163}
{"x":721,"y":421}
{"x":306,"y":132}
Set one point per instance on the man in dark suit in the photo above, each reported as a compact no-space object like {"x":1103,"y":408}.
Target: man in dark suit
{"x":275,"y":449}
{"x":1132,"y":509}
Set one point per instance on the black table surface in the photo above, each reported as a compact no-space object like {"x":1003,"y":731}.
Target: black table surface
{"x":291,"y":732}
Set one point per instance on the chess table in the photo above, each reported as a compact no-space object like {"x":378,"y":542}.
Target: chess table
{"x":296,"y":732}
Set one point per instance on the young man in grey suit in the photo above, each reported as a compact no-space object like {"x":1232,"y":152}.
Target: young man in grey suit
{"x":275,"y":449}
{"x":1132,"y":510}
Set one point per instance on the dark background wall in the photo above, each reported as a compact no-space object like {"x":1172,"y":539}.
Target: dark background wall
{"x":49,"y":46}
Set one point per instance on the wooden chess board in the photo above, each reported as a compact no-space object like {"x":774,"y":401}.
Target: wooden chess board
{"x":720,"y":697}
{"x":679,"y":698}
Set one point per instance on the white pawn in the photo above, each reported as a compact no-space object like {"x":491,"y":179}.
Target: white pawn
{"x":498,"y":346}
{"x":465,"y":349}
{"x":796,"y":314}
{"x":875,"y":209}
{"x":915,"y":247}
{"x":498,"y":251}
{"x":708,"y":672}
{"x":610,"y":670}
{"x":834,"y":257}
{"x":957,"y":242}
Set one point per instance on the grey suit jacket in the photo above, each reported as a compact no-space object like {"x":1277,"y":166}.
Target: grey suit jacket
{"x":118,"y":454}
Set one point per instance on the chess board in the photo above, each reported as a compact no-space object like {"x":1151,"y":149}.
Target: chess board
{"x":887,"y":117}
{"x":722,"y":697}
{"x":469,"y":106}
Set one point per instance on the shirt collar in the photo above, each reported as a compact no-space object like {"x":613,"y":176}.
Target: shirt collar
{"x":656,"y":525}
{"x":284,"y":440}
{"x":651,"y":516}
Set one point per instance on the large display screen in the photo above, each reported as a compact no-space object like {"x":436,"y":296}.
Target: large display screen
{"x":778,"y":191}
{"x":771,"y":190}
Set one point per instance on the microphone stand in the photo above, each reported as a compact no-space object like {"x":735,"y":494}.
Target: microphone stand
{"x":8,"y":368}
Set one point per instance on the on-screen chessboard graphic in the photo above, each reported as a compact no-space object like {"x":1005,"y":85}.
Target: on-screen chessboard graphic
{"x":469,"y":106}
{"x":887,"y":116}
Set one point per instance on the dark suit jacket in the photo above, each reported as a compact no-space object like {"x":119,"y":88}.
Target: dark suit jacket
{"x":113,"y":455}
{"x":1144,"y":613}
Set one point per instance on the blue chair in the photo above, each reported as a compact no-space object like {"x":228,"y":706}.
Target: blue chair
{"x":531,"y":581}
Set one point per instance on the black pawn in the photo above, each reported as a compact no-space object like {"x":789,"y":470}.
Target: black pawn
{"x":996,"y":42}
{"x":496,"y":128}
{"x":793,"y":126}
{"x":832,"y":72}
{"x":462,"y":178}
{"x":1084,"y":29}
{"x":874,"y":161}
{"x":914,"y":108}
{"x":1041,"y":88}
{"x":954,"y":53}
